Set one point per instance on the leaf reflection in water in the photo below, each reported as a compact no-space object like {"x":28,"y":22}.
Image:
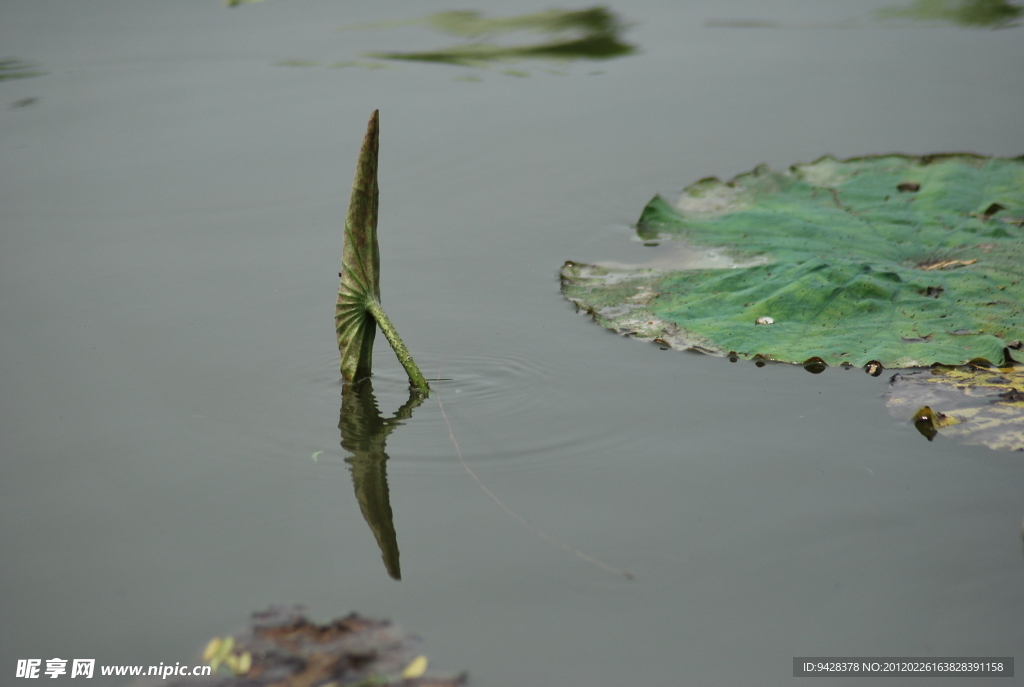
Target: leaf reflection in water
{"x":363,"y":434}
{"x":588,"y":34}
{"x":13,"y":68}
{"x":994,"y":14}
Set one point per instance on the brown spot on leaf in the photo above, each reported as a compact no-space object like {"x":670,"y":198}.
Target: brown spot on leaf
{"x":991,"y":210}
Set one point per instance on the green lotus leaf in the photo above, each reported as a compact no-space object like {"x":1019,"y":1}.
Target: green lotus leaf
{"x":894,"y":260}
{"x":969,"y":405}
{"x":358,"y":311}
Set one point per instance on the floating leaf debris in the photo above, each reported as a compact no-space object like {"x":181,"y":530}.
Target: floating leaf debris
{"x":971,"y":405}
{"x":282,"y":647}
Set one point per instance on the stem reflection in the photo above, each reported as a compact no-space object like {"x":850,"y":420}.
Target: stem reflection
{"x":363,"y":434}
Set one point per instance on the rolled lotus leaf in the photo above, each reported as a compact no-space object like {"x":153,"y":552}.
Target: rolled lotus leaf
{"x":358,"y":310}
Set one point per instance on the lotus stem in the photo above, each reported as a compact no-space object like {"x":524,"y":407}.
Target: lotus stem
{"x":415,"y":376}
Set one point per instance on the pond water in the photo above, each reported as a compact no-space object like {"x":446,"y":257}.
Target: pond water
{"x":173,"y":190}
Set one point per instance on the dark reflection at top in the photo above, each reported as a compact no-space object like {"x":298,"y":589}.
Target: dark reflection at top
{"x":993,"y":14}
{"x":13,"y":68}
{"x":363,"y":434}
{"x":815,"y":365}
{"x":588,"y":34}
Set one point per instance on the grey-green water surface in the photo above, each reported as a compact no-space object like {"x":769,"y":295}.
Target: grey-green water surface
{"x":171,"y":203}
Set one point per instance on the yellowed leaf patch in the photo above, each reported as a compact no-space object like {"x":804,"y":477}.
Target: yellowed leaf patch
{"x":967,"y":404}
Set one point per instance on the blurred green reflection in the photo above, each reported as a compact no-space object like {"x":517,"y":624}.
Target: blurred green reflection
{"x":363,"y":434}
{"x":587,"y":34}
{"x":994,"y":14}
{"x":13,"y":68}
